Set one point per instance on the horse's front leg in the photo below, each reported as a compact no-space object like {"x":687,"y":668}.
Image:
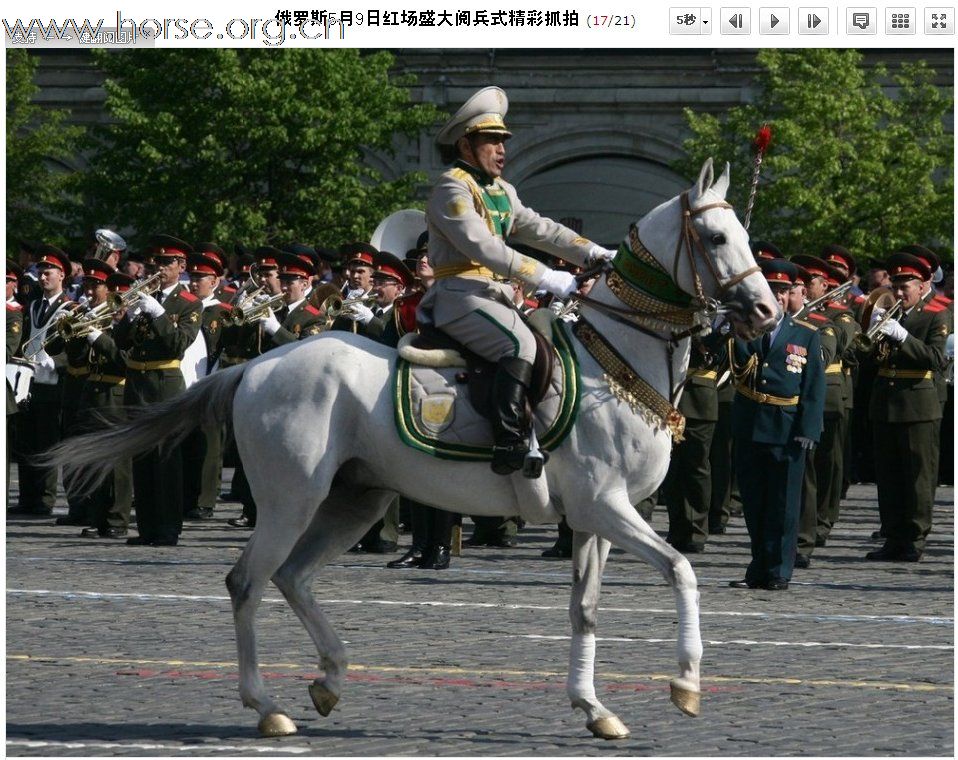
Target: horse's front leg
{"x":614,"y":518}
{"x":589,"y":554}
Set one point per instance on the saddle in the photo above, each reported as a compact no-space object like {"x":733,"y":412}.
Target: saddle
{"x":479,"y":372}
{"x":443,"y":392}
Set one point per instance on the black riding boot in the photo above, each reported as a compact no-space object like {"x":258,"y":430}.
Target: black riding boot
{"x":511,"y":426}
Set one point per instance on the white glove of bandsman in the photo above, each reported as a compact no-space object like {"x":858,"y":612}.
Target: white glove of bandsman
{"x":893,"y":329}
{"x":359,"y":312}
{"x":150,"y":306}
{"x":597,"y":253}
{"x":270,"y":323}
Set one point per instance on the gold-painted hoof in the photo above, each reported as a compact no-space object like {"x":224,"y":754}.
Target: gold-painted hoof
{"x":276,"y":724}
{"x":608,"y":728}
{"x":686,"y":700}
{"x":323,"y":699}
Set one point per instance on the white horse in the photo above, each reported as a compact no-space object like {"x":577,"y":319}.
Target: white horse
{"x":321,"y":409}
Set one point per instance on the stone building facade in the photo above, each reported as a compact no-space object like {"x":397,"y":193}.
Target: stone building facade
{"x":595,"y":130}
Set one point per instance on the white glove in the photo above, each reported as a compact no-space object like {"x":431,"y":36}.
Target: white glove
{"x":91,"y":337}
{"x":150,"y":306}
{"x":876,"y":315}
{"x":597,"y":253}
{"x":559,"y":283}
{"x":359,"y":312}
{"x":270,"y":323}
{"x":355,"y":293}
{"x":807,"y":444}
{"x":46,"y":361}
{"x":262,"y":298}
{"x":894,"y":330}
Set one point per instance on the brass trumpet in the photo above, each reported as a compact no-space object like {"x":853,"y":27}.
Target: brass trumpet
{"x":832,"y":295}
{"x":80,"y":325}
{"x":335,"y":305}
{"x":246,"y":312}
{"x":118,"y":300}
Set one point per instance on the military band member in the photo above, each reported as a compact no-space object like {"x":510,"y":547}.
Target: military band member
{"x":108,"y":507}
{"x":78,"y":358}
{"x":470,"y":214}
{"x":14,"y":318}
{"x":359,"y":259}
{"x":906,"y":412}
{"x":39,"y":424}
{"x":155,"y":334}
{"x":240,"y":344}
{"x":224,"y":291}
{"x":776,"y":419}
{"x":298,"y":319}
{"x":203,"y":447}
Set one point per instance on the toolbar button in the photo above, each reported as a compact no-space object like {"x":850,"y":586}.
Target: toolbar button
{"x":861,"y":21}
{"x":684,"y":20}
{"x":813,"y":20}
{"x":773,"y":20}
{"x":736,"y":20}
{"x":939,"y":20}
{"x":900,"y":21}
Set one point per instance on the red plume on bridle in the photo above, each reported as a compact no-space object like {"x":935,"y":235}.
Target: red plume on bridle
{"x":762,"y":138}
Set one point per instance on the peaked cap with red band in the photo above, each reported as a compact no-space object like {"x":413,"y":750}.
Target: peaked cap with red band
{"x":818,"y":268}
{"x":119,"y":281}
{"x":839,"y":256}
{"x":204,"y":264}
{"x":906,"y":266}
{"x":96,"y":269}
{"x":51,"y":256}
{"x":779,"y":270}
{"x":389,"y":265}
{"x":763,"y":250}
{"x":360,"y":254}
{"x":14,"y":272}
{"x":167,"y":245}
{"x":267,"y":256}
{"x":292,"y":265}
{"x":924,"y":254}
{"x":212,"y":249}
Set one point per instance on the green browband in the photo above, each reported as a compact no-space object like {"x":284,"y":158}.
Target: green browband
{"x":635,"y":265}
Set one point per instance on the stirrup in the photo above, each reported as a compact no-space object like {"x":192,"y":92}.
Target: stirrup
{"x":535,"y":460}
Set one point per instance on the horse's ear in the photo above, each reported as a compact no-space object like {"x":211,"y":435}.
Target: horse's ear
{"x":721,"y":184}
{"x":705,"y":179}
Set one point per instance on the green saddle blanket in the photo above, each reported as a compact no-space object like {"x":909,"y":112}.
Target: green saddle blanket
{"x":434,"y":414}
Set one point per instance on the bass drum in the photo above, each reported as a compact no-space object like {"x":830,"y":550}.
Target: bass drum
{"x":20,"y":375}
{"x":193,"y":365}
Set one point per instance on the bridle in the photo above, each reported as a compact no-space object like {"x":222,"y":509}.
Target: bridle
{"x":688,"y":244}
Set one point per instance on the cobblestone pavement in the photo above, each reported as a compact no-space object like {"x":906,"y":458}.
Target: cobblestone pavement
{"x":117,"y":650}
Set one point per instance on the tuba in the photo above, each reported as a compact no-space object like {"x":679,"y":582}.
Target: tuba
{"x":107,"y":242}
{"x":399,"y":231}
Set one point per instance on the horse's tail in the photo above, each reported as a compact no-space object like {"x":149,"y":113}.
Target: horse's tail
{"x":87,"y":459}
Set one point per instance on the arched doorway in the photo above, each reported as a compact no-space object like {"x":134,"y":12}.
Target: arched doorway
{"x":600,"y":196}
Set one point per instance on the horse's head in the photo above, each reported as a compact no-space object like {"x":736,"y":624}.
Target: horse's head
{"x":697,"y":237}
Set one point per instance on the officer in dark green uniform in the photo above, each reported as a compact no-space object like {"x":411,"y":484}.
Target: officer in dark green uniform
{"x":300,"y":319}
{"x":688,"y":484}
{"x":155,"y":333}
{"x":108,"y":508}
{"x":776,"y":419}
{"x":906,"y":411}
{"x":203,"y":447}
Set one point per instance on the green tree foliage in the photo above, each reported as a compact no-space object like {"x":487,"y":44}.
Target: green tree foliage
{"x":253,"y":146}
{"x":39,"y":144}
{"x":859,"y":157}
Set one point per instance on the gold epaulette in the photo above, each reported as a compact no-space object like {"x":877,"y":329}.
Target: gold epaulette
{"x":803,"y":323}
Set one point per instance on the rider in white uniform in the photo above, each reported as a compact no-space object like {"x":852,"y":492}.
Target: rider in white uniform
{"x":471,"y":213}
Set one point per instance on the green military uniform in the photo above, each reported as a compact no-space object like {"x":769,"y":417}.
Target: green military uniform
{"x":38,"y":427}
{"x":906,"y":411}
{"x":720,"y":453}
{"x":688,"y":484}
{"x":301,"y":321}
{"x":14,"y":336}
{"x":109,"y":506}
{"x":154,"y":348}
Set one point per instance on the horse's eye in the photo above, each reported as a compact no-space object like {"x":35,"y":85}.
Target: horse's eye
{"x":718,"y":239}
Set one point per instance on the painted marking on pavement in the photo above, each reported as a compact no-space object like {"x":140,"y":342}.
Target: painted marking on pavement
{"x":496,"y":674}
{"x":935,"y":620}
{"x":233,"y":749}
{"x":742,"y":642}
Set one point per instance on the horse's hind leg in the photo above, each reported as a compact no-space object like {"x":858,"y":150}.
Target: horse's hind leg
{"x":266,"y":550}
{"x":589,"y":554}
{"x":339,"y":523}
